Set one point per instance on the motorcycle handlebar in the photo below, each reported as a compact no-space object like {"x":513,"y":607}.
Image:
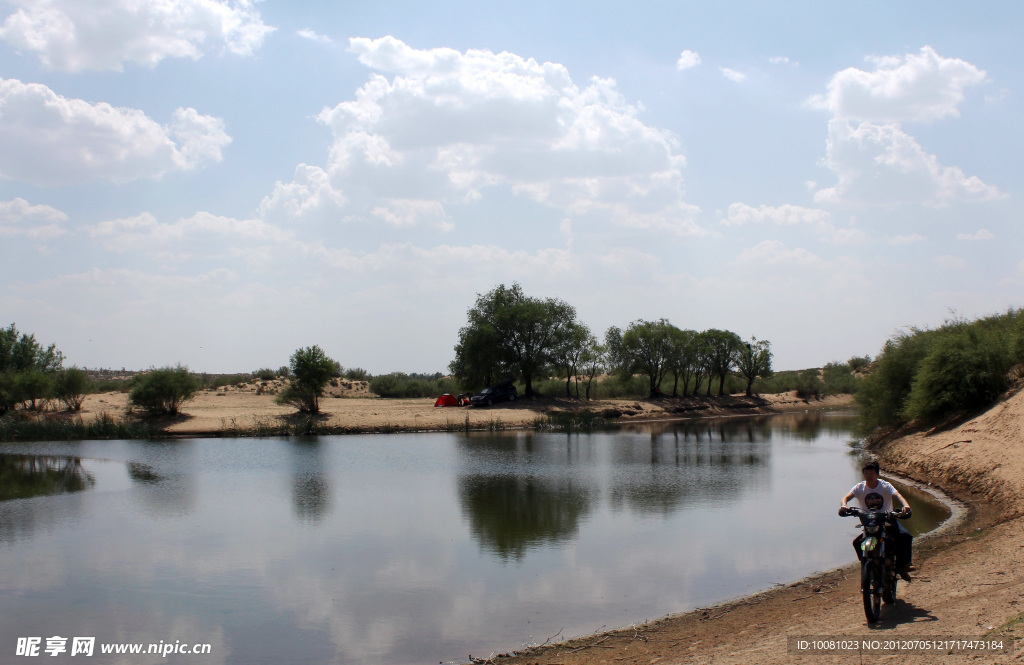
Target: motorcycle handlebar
{"x":851,"y":511}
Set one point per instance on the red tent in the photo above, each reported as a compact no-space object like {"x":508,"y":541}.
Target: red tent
{"x":446,"y":400}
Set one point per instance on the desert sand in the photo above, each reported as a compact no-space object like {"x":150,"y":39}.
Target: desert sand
{"x":350,"y":406}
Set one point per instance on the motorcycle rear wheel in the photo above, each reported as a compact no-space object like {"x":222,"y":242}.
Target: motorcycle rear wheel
{"x":870,"y":582}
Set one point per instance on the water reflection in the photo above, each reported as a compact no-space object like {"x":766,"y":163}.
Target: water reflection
{"x":24,"y":476}
{"x":311,"y":490}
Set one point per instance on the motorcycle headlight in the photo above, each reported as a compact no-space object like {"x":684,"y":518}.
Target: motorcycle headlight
{"x":869,"y":544}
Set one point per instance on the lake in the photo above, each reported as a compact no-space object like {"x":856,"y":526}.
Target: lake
{"x":412,"y":548}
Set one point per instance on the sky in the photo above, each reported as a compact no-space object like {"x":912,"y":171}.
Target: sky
{"x":220,"y":182}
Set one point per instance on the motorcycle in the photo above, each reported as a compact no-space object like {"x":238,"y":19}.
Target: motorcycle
{"x":878,"y":576}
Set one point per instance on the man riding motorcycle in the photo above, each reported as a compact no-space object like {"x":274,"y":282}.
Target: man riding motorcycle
{"x":876,"y":494}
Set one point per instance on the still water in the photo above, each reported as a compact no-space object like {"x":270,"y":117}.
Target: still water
{"x":411,"y":548}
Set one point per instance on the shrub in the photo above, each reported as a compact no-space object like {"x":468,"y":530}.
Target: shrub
{"x":399,"y":384}
{"x":839,"y":379}
{"x":809,"y":384}
{"x":163,"y":391}
{"x":965,"y":368}
{"x":265,"y":374}
{"x":357,"y":374}
{"x":859,"y":363}
{"x":70,"y":386}
{"x":312,"y":369}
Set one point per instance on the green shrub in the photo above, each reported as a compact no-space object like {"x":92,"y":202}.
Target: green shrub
{"x":312,"y":369}
{"x":809,"y":384}
{"x":965,"y":368}
{"x":357,"y":374}
{"x":265,"y":374}
{"x":70,"y":386}
{"x":163,"y":391}
{"x":859,"y":363}
{"x":399,"y":384}
{"x":884,"y":391}
{"x":839,"y":379}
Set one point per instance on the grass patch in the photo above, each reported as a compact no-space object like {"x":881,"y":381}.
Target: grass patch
{"x":106,"y":426}
{"x":571,"y":421}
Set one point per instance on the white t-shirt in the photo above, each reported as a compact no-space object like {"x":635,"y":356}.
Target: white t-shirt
{"x":883,"y":489}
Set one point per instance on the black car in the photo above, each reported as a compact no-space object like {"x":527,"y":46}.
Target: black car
{"x":505,"y":390}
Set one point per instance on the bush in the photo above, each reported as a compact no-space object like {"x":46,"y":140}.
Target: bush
{"x":70,"y":386}
{"x":809,"y":384}
{"x":357,"y":374}
{"x":265,"y":374}
{"x":964,"y":369}
{"x":163,"y":391}
{"x":859,"y":363}
{"x":312,"y":369}
{"x":934,"y":374}
{"x":839,"y":379}
{"x":399,"y":384}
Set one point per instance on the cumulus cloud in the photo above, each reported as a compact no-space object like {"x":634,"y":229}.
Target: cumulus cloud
{"x":980,"y":234}
{"x":923,"y":87}
{"x":19,"y":217}
{"x":449,"y":128}
{"x":775,"y":252}
{"x":687,"y":60}
{"x":740,"y":214}
{"x":875,"y":160}
{"x":47,"y":139}
{"x":883,"y":165}
{"x":733,"y":75}
{"x":72,"y":35}
{"x":314,"y":36}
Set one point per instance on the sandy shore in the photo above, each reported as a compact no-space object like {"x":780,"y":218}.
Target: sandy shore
{"x":353,"y":408}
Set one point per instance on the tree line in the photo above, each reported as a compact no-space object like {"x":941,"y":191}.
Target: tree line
{"x":510,"y":335}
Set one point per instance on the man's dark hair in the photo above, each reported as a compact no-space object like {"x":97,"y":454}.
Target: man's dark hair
{"x":873,"y":465}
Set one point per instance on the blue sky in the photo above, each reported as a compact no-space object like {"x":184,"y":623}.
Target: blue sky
{"x":219,"y":182}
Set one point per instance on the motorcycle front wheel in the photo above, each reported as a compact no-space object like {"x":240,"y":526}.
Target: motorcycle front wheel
{"x":870,"y":583}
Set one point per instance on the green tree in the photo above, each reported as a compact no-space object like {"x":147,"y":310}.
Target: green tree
{"x":724,"y":348}
{"x":593,"y":363}
{"x":574,"y":341}
{"x":164,"y":390}
{"x":510,"y":332}
{"x":644,"y":348}
{"x":755,"y":360}
{"x":70,"y":386}
{"x":682,"y":357}
{"x":311,"y":370}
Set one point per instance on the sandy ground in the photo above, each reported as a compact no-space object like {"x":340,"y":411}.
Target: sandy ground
{"x":350,"y":406}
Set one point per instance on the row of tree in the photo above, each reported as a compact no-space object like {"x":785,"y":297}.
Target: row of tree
{"x":31,"y":374}
{"x":511,"y":335}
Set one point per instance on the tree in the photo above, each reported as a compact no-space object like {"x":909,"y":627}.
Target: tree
{"x":724,"y":346}
{"x":70,"y":386}
{"x":645,"y":348}
{"x":593,"y":362}
{"x":164,"y":391}
{"x":26,"y":369}
{"x":509,"y":332}
{"x":573,"y":342}
{"x":311,"y":369}
{"x":755,"y":360}
{"x":682,"y":360}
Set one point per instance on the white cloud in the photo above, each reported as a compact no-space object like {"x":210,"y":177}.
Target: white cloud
{"x":687,"y":60}
{"x":900,"y":240}
{"x":202,"y":234}
{"x":785,"y":215}
{"x":980,"y":234}
{"x":883,"y":165}
{"x":449,"y":128}
{"x":47,"y":139}
{"x":876,"y":161}
{"x":921,"y":87}
{"x":780,"y":60}
{"x":733,"y":75}
{"x":950,"y":261}
{"x":775,"y":252}
{"x":38,"y":222}
{"x":74,"y":35}
{"x":314,"y":36}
